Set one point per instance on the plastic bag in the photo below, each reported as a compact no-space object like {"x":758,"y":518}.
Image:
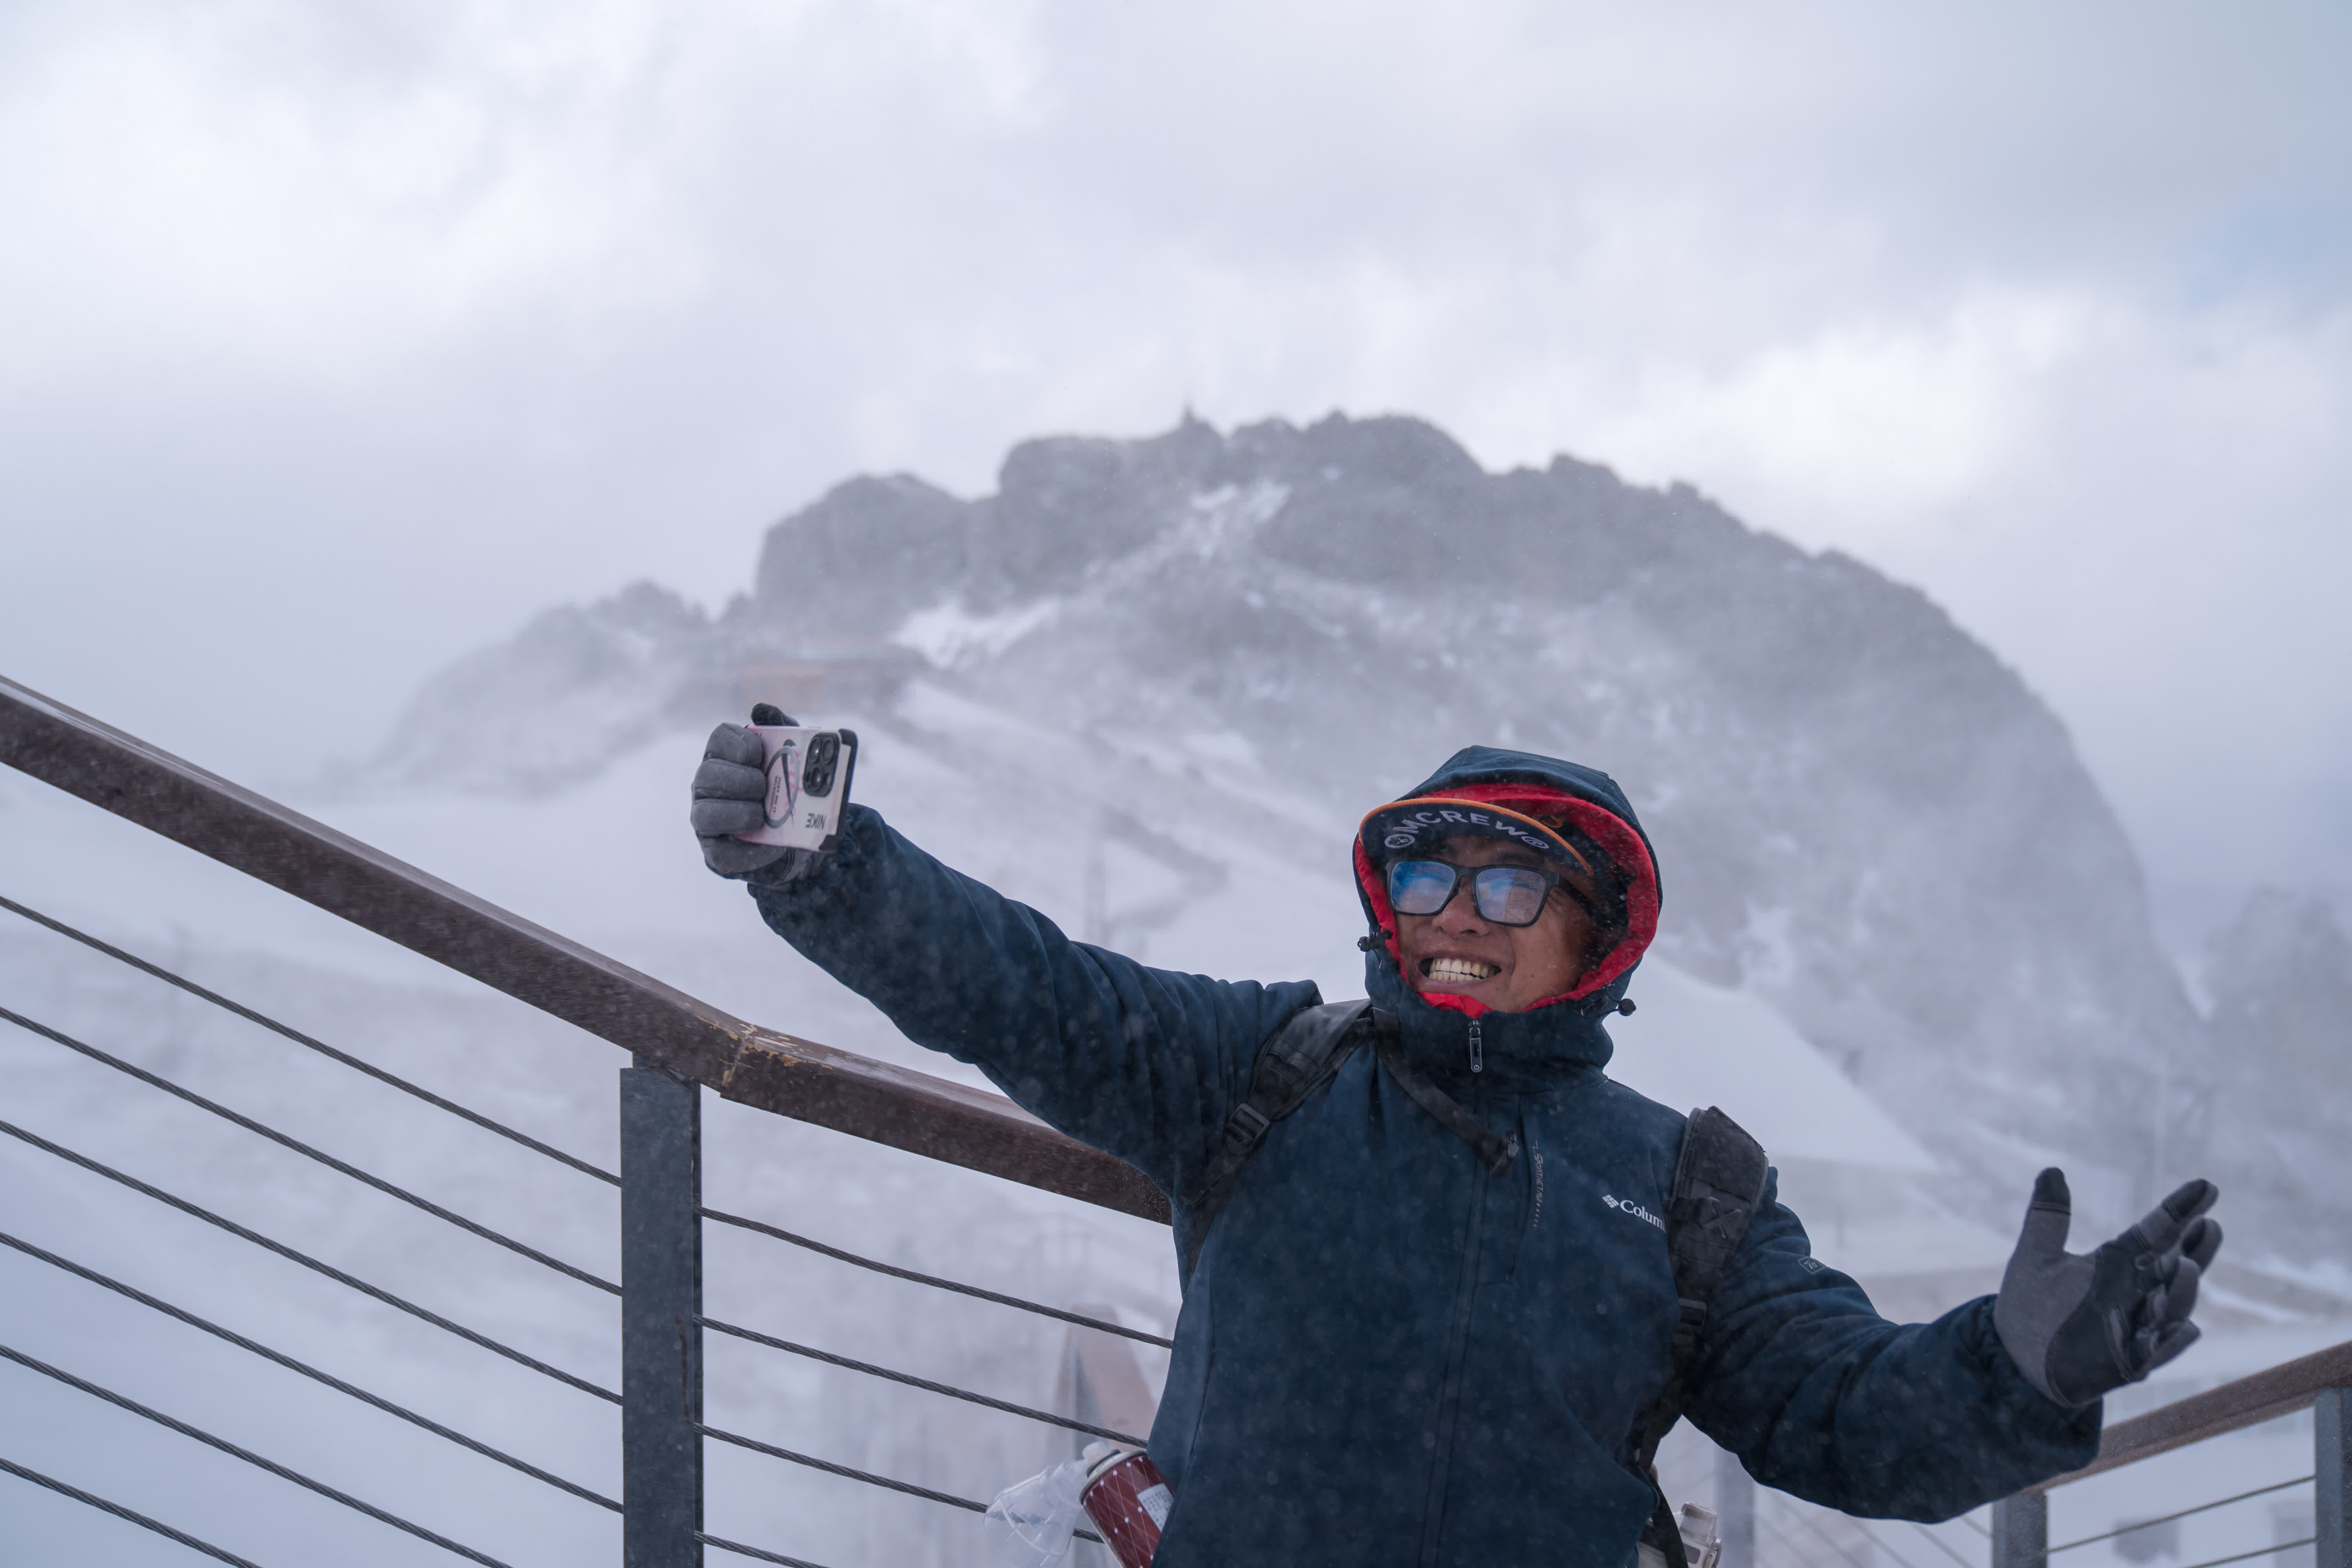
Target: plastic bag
{"x":1031,"y":1523}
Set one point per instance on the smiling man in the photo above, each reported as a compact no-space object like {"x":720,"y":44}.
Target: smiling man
{"x":1474,"y":918}
{"x":1440,"y":1296}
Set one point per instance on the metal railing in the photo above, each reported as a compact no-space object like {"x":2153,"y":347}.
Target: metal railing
{"x":2320,"y":1383}
{"x":677,"y":1047}
{"x":92,"y":1166}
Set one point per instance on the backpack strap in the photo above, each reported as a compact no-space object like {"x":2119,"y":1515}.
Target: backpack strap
{"x":1718,"y":1182}
{"x":1494,"y":1151}
{"x":1295,"y":1060}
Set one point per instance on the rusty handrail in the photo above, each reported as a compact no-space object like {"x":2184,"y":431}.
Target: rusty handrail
{"x":2264,"y":1395}
{"x":687,"y":1036}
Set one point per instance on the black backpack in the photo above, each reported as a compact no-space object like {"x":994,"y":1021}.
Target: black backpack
{"x":1718,"y":1182}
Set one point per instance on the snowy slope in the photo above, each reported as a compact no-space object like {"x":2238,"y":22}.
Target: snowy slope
{"x":1692,"y":1043}
{"x":606,"y":859}
{"x":1862,"y":816}
{"x":1148,"y":688}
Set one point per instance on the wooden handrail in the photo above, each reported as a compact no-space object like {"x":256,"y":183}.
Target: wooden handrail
{"x":680,"y":1034}
{"x":2276,"y":1391}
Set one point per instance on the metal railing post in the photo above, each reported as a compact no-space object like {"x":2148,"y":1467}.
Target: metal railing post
{"x":661,"y":1331}
{"x":2020,"y":1531}
{"x":1735,"y":1510}
{"x":2331,"y":1452}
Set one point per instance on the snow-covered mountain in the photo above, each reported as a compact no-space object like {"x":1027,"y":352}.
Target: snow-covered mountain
{"x":1148,"y":688}
{"x":1206,"y":650}
{"x":2281,"y":981}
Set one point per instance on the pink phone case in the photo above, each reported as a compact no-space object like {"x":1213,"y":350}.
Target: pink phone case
{"x":808,"y":784}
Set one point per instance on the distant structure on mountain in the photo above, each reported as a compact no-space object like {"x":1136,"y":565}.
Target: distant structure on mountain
{"x":1232,"y":643}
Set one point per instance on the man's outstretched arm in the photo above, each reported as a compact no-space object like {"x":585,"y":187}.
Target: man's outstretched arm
{"x":1820,"y":1397}
{"x":1143,"y":1063}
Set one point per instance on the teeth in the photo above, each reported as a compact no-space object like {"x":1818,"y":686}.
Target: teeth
{"x":1462,"y":969}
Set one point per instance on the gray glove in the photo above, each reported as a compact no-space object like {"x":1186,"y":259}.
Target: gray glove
{"x":731,"y":794}
{"x":2078,"y":1325}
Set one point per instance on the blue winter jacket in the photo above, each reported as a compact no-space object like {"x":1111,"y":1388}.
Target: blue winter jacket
{"x":1386,"y":1356}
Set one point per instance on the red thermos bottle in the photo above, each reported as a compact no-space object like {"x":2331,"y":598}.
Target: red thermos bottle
{"x":1127,"y":1501}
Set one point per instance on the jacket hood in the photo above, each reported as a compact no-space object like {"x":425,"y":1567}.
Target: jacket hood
{"x":1583,"y":802}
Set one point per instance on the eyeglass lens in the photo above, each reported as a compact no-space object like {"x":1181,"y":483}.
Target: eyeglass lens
{"x":1507,"y":895}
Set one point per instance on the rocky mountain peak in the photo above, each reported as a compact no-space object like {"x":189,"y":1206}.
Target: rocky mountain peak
{"x":1863,"y":816}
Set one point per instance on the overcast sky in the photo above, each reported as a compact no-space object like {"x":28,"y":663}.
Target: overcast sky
{"x":340,"y":338}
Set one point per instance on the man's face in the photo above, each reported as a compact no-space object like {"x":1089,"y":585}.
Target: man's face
{"x":1459,"y":952}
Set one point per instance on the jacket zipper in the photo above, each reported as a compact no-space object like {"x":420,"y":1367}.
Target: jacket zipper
{"x":1477,"y":1048}
{"x":1458,"y":1349}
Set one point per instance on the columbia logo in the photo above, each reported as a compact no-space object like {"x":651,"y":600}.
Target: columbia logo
{"x":1627,"y":1206}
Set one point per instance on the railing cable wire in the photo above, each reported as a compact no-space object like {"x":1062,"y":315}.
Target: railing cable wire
{"x":2257,"y":1551}
{"x":844,"y":1471}
{"x":288,"y":1362}
{"x":291,"y":1255}
{"x":118,"y":1511}
{"x":897,"y":1272}
{"x":1937,"y":1542}
{"x":340,"y":1167}
{"x":764,"y":1555}
{"x":1827,"y":1540}
{"x":2184,"y":1513}
{"x":885,"y":1482}
{"x":1873,"y":1536}
{"x":299,"y":1039}
{"x":925,"y":1383}
{"x":249,"y":1457}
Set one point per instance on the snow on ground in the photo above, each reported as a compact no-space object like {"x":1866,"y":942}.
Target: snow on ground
{"x":1692,"y":1043}
{"x":1178,"y":849}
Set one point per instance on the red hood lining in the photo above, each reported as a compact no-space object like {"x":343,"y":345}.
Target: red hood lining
{"x":1613,"y":832}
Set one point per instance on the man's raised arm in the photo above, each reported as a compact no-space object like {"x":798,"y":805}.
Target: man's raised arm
{"x":1143,"y":1063}
{"x":1820,"y":1397}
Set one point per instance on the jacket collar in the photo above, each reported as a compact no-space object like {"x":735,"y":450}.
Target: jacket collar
{"x":1520,"y":1051}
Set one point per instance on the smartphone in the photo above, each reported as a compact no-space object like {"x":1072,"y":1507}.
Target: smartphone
{"x":808,"y":786}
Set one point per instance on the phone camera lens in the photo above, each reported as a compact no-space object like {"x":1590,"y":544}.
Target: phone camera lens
{"x":816,"y":773}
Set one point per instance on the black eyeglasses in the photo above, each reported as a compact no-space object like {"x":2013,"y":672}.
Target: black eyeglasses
{"x":1506,"y":895}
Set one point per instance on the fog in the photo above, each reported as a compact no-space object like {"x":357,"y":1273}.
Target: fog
{"x":356,"y":363}
{"x":341,"y":342}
